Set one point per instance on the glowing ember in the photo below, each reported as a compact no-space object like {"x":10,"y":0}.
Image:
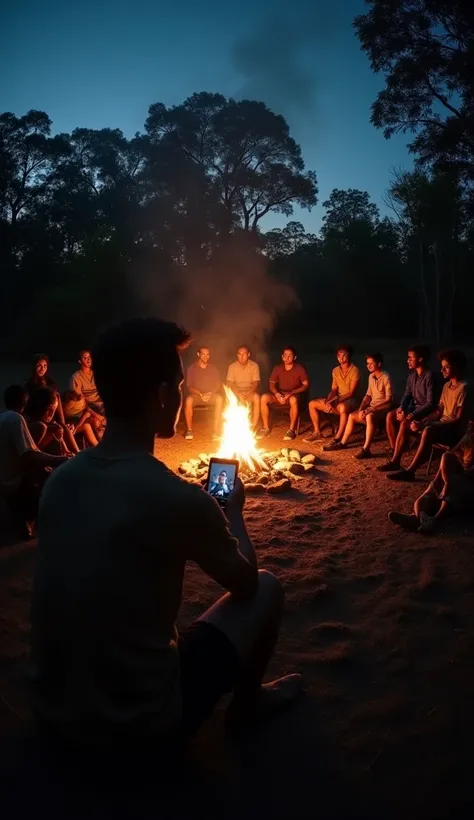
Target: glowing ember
{"x":238,"y":439}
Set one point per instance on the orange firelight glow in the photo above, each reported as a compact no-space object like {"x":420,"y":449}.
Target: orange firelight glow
{"x":238,"y":440}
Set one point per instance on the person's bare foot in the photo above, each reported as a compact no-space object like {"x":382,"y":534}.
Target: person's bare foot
{"x":272,"y":698}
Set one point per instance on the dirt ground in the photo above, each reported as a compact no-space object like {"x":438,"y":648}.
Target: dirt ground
{"x":380,"y":623}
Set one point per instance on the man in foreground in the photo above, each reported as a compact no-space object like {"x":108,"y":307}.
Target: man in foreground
{"x":23,"y":467}
{"x":203,"y":385}
{"x":418,"y":402}
{"x":243,"y":378}
{"x":288,"y":382}
{"x":450,"y":493}
{"x":108,"y":668}
{"x":373,"y":409}
{"x":83,"y":384}
{"x":342,"y":398}
{"x":445,"y":425}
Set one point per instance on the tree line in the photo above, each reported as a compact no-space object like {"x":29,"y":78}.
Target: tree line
{"x":95,"y":226}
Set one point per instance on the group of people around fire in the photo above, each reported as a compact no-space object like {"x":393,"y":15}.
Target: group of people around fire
{"x":108,"y":671}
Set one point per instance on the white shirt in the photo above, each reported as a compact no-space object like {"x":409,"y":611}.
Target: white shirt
{"x":15,"y":441}
{"x":243,"y":375}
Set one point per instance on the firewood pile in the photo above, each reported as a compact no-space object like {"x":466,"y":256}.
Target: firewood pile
{"x":276,"y":473}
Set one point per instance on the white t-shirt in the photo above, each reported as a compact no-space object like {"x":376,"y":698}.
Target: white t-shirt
{"x":15,"y":441}
{"x":113,"y":538}
{"x":379,"y":389}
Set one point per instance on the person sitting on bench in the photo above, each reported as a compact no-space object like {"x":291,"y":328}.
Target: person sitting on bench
{"x":374,"y":407}
{"x":451,"y":492}
{"x":243,"y":378}
{"x":203,"y":385}
{"x":343,"y":397}
{"x":445,"y":425}
{"x":418,"y":402}
{"x":288,"y":382}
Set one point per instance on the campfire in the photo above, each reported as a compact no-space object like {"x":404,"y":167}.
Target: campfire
{"x":272,"y":472}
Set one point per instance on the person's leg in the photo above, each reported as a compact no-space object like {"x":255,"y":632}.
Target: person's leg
{"x":421,"y":457}
{"x":315,"y":407}
{"x":353,"y":419}
{"x":343,"y":408}
{"x":252,"y":627}
{"x":370,"y":427}
{"x":188,"y":412}
{"x":87,"y":430}
{"x":218,"y":405}
{"x":401,"y":442}
{"x":255,"y":404}
{"x":266,"y":401}
{"x":294,"y":412}
{"x":392,"y":426}
{"x":70,"y":441}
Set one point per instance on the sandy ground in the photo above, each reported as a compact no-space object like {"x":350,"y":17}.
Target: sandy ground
{"x":380,"y":623}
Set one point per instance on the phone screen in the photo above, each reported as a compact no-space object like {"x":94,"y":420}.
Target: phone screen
{"x":221,"y":478}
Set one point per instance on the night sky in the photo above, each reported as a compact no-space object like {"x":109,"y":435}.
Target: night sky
{"x":101,"y":64}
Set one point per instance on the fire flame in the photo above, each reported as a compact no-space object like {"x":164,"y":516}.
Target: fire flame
{"x":238,"y":440}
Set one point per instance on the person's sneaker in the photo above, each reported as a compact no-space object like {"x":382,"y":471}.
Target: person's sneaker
{"x":401,"y":475}
{"x":363,"y":454}
{"x":289,"y":435}
{"x":264,"y":432}
{"x":312,"y":437}
{"x":427,"y":524}
{"x":389,"y":467}
{"x":406,"y":522}
{"x":333,"y":446}
{"x":188,"y":435}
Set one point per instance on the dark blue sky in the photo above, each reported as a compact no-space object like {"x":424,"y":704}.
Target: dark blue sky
{"x":101,"y":64}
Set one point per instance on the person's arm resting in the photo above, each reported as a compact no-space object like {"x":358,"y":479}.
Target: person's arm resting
{"x":223,"y":550}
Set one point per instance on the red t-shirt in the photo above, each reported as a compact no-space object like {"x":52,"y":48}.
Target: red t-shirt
{"x":288,"y":380}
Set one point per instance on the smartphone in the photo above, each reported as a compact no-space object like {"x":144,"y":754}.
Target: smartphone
{"x":221,"y":478}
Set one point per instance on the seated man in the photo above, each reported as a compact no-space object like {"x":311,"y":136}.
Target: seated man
{"x":203,"y":384}
{"x":219,"y":487}
{"x":22,"y":465}
{"x":445,"y":425}
{"x":288,"y":382}
{"x":373,"y":409}
{"x":109,"y":672}
{"x":243,"y":378}
{"x":342,"y":399}
{"x":418,"y":402}
{"x":47,"y":434}
{"x":83,"y":383}
{"x":450,"y":493}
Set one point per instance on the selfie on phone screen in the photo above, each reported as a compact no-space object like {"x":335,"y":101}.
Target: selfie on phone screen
{"x":221,"y":478}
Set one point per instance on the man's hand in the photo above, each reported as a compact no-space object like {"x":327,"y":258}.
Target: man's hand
{"x":236,"y":500}
{"x":243,"y":397}
{"x":416,"y":426}
{"x":400,"y":414}
{"x":70,"y":427}
{"x":328,"y":408}
{"x":409,"y":417}
{"x":362,"y":414}
{"x":280,"y":397}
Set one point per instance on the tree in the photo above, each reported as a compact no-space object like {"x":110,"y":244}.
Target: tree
{"x":348,"y":213}
{"x":424,"y":48}
{"x":245,"y":151}
{"x":289,"y":240}
{"x":429,"y":209}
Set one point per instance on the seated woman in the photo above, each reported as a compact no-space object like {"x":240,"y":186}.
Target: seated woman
{"x":40,"y":378}
{"x":78,"y":417}
{"x":451,"y":491}
{"x":48,"y":435}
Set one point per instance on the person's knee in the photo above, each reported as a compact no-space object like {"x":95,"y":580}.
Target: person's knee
{"x":271,"y":587}
{"x":341,"y":408}
{"x":266,"y":399}
{"x":293,"y":401}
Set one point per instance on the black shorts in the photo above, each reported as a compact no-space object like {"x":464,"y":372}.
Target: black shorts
{"x":209,"y":669}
